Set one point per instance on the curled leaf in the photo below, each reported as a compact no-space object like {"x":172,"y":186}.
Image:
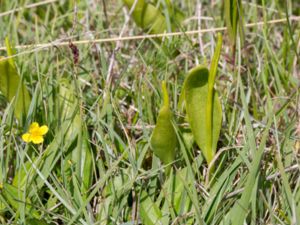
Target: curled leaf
{"x":164,"y":140}
{"x":196,"y":101}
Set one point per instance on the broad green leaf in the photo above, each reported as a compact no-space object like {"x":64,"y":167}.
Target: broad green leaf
{"x":153,"y":20}
{"x":147,"y":16}
{"x":12,"y":86}
{"x":137,"y":13}
{"x":196,"y":96}
{"x":164,"y":140}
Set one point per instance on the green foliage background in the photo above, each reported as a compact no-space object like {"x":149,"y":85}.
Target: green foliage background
{"x":96,"y":165}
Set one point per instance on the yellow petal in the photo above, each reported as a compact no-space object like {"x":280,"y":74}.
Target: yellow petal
{"x":37,"y":139}
{"x":26,"y":137}
{"x":33,"y":126}
{"x":43,"y":130}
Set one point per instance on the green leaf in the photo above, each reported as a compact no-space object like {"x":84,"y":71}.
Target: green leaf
{"x":234,"y":19}
{"x":164,"y":140}
{"x":137,"y":13}
{"x":210,"y":94}
{"x":147,"y":16}
{"x":196,"y":97}
{"x":12,"y":86}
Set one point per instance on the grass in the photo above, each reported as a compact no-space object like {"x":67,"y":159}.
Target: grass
{"x":96,"y":166}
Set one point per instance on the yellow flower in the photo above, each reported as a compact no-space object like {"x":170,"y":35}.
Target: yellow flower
{"x":35,"y":133}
